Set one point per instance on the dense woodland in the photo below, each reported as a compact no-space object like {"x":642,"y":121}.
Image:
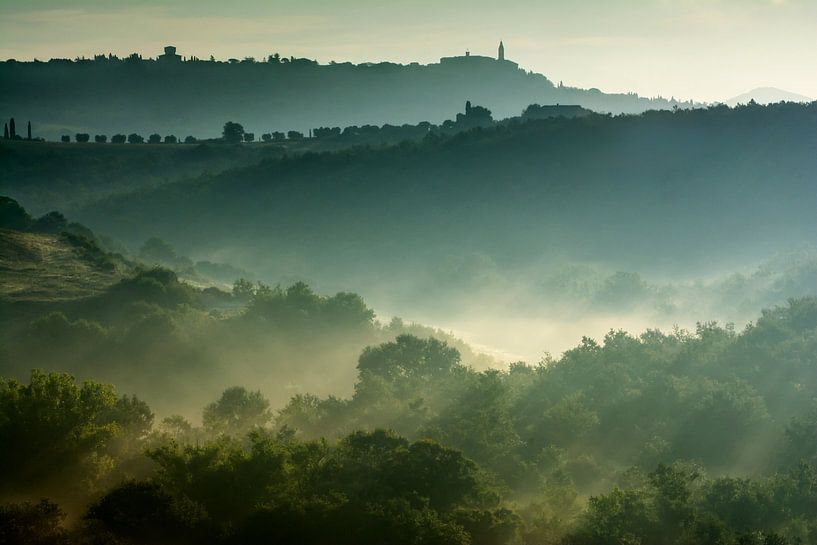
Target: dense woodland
{"x":702,"y":437}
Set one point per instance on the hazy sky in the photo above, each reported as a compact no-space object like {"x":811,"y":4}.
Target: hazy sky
{"x":700,"y":49}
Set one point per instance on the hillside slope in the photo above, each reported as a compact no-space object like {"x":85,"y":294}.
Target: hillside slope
{"x":698,"y":182}
{"x":195,"y":98}
{"x":39,"y":267}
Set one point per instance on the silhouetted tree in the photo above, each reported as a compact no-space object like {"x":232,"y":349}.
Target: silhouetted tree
{"x":249,"y":137}
{"x":295,"y":135}
{"x":6,"y":131}
{"x":118,"y":139}
{"x":154,"y":139}
{"x":134,"y":138}
{"x":232,"y":132}
{"x":100,"y":138}
{"x":65,"y":138}
{"x":12,"y":129}
{"x":190,"y":140}
{"x":13,"y":216}
{"x":170,"y":139}
{"x":266,"y":137}
{"x":52,"y":223}
{"x":278,"y":136}
{"x":82,"y":137}
{"x":29,"y":130}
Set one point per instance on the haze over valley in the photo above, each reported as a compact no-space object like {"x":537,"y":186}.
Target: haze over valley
{"x":287,"y":299}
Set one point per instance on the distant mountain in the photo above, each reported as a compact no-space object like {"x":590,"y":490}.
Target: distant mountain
{"x":169,"y":95}
{"x":767,"y":95}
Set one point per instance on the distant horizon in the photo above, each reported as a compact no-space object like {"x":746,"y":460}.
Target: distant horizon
{"x":685,"y":49}
{"x":189,"y":57}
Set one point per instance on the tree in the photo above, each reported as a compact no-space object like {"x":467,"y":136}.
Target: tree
{"x":249,"y":137}
{"x":82,"y":137}
{"x":243,"y":289}
{"x":409,"y":357}
{"x":100,"y":138}
{"x":266,"y":137}
{"x":143,"y":513}
{"x":13,"y":216}
{"x":118,"y":139}
{"x":295,"y":135}
{"x":65,"y":138}
{"x":154,"y":139}
{"x":29,"y":131}
{"x":32,"y":523}
{"x":12,"y":129}
{"x":170,"y":139}
{"x":54,"y":415}
{"x":6,"y":131}
{"x":237,"y":411}
{"x":232,"y":133}
{"x":53,"y":223}
{"x":278,"y":136}
{"x":134,"y":138}
{"x":190,"y":140}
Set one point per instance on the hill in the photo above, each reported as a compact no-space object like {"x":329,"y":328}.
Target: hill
{"x":47,"y":267}
{"x":514,"y":193}
{"x":194,"y":97}
{"x":47,"y":176}
{"x":767,"y":95}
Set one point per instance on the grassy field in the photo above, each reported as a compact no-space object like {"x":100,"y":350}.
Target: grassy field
{"x":43,"y":267}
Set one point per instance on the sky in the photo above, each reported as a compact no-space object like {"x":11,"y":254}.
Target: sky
{"x":705,"y":50}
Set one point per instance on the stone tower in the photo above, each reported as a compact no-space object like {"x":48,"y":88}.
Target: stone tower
{"x":501,"y":56}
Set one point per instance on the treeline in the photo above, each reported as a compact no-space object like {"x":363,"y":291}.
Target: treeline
{"x":234,"y":133}
{"x":86,"y":96}
{"x":704,"y":438}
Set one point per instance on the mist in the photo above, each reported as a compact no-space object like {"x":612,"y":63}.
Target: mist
{"x":296,"y":300}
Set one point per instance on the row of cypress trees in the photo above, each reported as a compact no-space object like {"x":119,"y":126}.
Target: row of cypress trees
{"x":10,"y":130}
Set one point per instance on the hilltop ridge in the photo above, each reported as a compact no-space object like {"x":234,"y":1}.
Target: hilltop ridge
{"x":176,"y":95}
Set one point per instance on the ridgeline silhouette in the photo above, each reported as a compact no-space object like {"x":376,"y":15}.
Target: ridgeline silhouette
{"x":175,"y":94}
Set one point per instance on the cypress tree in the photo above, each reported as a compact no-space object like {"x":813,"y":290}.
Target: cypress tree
{"x":29,"y":130}
{"x":6,"y":131}
{"x":12,"y":129}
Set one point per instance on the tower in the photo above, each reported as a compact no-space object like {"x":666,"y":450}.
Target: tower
{"x":501,"y":56}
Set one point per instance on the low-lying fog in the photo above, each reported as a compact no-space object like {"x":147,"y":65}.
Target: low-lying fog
{"x":524,"y":313}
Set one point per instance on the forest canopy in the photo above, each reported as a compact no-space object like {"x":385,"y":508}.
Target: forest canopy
{"x":703,"y":437}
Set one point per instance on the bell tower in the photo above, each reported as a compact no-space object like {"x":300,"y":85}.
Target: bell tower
{"x":501,"y":56}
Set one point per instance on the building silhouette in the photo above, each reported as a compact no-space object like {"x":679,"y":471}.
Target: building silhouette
{"x":474,"y":60}
{"x":170,"y":55}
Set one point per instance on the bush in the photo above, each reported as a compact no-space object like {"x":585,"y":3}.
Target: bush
{"x":13,"y":216}
{"x":52,"y":223}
